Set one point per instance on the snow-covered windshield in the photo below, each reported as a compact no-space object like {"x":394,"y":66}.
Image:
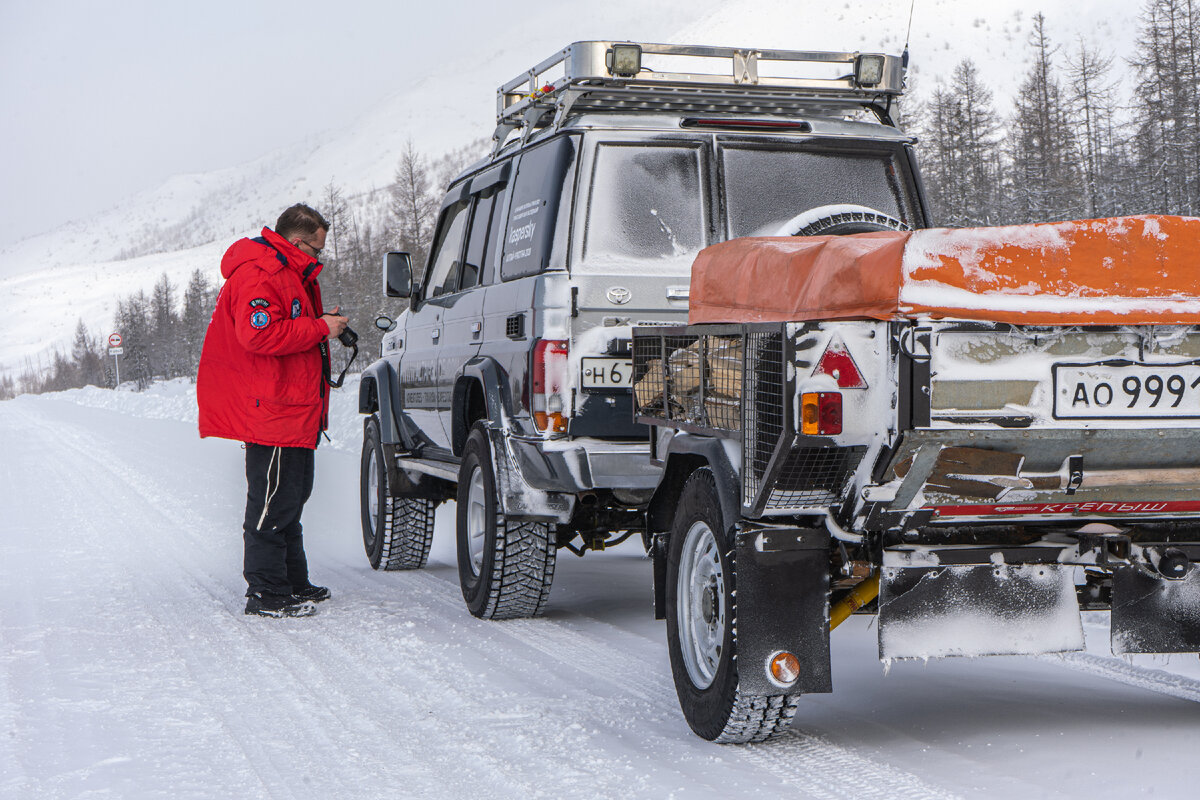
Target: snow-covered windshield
{"x":646,"y":204}
{"x":764,"y":188}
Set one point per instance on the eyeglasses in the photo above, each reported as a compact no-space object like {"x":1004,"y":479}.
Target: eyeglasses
{"x":316,"y":251}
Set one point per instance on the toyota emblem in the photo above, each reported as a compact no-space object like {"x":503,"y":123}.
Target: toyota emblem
{"x":619,"y":295}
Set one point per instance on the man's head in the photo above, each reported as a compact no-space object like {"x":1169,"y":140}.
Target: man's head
{"x":304,"y":227}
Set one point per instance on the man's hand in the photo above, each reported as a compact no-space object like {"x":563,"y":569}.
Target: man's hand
{"x":336,"y":323}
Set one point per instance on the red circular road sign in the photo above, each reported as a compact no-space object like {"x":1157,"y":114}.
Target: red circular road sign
{"x":114,"y":340}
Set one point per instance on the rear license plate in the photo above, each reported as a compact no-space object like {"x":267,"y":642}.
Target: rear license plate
{"x":1125,"y":390}
{"x":606,"y":373}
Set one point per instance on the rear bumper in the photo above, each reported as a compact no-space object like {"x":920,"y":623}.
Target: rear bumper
{"x":573,"y":467}
{"x":1050,"y":474}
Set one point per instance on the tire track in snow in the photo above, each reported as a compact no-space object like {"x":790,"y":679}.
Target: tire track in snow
{"x":268,"y":655}
{"x":807,"y":762}
{"x":1122,"y":671}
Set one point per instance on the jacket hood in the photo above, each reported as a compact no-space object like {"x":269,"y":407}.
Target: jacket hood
{"x":271,"y":252}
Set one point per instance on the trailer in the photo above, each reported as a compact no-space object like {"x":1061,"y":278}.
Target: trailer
{"x":972,"y":434}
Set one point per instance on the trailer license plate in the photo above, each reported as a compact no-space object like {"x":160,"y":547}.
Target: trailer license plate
{"x":606,"y":373}
{"x":1125,"y":390}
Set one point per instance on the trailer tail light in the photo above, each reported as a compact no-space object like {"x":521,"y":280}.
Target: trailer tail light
{"x":549,"y":395}
{"x":821,"y":413}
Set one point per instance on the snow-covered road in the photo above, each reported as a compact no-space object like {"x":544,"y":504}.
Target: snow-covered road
{"x":127,"y":668}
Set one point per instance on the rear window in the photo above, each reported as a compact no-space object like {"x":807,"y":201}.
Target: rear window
{"x":764,"y":189}
{"x":646,"y":204}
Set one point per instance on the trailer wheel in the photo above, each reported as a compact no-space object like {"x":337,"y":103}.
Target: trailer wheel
{"x":701,"y":620}
{"x":840,"y":221}
{"x":397,"y":531}
{"x":505,"y":567}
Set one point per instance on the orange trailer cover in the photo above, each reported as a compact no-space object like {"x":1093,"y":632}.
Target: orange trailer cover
{"x":1121,"y":271}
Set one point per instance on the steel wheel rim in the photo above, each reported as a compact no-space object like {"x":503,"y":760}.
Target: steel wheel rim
{"x":476,"y":520}
{"x":373,"y":492}
{"x":700,"y":611}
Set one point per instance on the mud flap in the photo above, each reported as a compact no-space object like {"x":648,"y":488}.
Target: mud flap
{"x":1153,"y":614}
{"x":519,"y":500}
{"x":782,"y":604}
{"x":982,"y":610}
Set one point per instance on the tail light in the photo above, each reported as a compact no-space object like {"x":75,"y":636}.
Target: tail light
{"x":548,"y":400}
{"x":821,"y":413}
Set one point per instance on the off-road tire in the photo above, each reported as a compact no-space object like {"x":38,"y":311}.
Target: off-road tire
{"x":516,"y":568}
{"x":402,"y":531}
{"x":719,"y":712}
{"x":850,"y":220}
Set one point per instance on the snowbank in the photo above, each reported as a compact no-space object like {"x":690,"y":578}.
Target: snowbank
{"x":176,"y":400}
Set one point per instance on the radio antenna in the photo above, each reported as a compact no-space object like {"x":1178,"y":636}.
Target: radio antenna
{"x":908,"y":34}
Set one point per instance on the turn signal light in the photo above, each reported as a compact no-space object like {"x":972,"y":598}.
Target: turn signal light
{"x":821,"y":413}
{"x":549,"y":375}
{"x":784,"y":668}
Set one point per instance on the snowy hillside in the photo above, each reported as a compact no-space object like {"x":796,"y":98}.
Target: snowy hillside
{"x":79,"y":270}
{"x":127,"y":669}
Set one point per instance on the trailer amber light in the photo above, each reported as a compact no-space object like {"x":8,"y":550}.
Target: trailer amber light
{"x":785,"y":668}
{"x":821,"y":413}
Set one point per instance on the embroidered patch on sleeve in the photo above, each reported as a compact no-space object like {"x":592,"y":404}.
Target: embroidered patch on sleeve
{"x":258,"y":302}
{"x":260,"y":319}
{"x":295,"y":308}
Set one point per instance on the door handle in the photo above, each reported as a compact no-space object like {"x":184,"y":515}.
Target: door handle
{"x":435,"y":333}
{"x":476,"y":327}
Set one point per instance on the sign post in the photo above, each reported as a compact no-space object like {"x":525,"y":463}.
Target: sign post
{"x":115,"y":350}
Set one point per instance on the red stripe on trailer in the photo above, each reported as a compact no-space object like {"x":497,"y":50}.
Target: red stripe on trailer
{"x":1093,"y":507}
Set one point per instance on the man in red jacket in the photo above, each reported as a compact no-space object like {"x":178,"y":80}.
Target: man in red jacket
{"x":263,"y":380}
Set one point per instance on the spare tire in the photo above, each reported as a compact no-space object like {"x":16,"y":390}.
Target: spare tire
{"x":840,"y":220}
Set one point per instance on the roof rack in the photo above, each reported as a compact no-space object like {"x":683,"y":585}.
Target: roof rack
{"x":614,"y":77}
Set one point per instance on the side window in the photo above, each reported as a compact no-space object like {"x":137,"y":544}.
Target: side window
{"x":492,"y":252}
{"x":444,"y":265}
{"x":481,"y":221}
{"x":536,"y":194}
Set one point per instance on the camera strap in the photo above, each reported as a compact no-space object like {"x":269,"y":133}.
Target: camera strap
{"x":325,"y":360}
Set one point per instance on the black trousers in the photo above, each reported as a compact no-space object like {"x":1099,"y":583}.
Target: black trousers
{"x":279,"y":481}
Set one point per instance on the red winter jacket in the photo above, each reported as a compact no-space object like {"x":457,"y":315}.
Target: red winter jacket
{"x":262,"y":373}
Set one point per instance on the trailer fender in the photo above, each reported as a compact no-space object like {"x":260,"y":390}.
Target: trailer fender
{"x":685,"y":454}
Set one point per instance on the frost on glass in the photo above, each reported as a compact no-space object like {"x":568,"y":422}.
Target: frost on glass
{"x":646,"y":203}
{"x":766,"y":188}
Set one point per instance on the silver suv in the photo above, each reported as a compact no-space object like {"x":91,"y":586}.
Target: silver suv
{"x":506,"y":383}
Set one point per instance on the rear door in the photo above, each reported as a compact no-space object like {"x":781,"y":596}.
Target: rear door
{"x":462,"y":319}
{"x":648,"y":214}
{"x":425,"y":329}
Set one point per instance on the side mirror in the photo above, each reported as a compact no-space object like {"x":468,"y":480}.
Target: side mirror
{"x":384,"y":323}
{"x":397,"y":275}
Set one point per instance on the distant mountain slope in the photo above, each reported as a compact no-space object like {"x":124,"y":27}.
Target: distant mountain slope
{"x":81,"y":269}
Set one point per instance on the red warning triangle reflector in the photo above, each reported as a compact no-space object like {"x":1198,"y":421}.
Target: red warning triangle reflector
{"x":837,"y":363}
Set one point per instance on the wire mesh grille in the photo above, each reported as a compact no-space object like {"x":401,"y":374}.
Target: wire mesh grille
{"x":764,"y":407}
{"x":691,"y":379}
{"x":814,"y":476}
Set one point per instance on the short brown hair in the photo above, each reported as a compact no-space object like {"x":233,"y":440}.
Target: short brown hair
{"x":300,"y":219}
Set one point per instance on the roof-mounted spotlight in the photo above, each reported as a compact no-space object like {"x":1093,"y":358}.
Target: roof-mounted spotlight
{"x":868,"y":70}
{"x":624,"y":60}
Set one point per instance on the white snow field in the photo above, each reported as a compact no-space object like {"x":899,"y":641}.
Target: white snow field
{"x":127,"y":669}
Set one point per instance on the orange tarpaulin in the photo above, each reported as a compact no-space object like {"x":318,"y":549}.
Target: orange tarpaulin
{"x":1127,"y":270}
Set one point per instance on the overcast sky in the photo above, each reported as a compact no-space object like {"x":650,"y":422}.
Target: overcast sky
{"x":103,"y":99}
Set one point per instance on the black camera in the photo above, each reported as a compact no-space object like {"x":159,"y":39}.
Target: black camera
{"x":348,"y":337}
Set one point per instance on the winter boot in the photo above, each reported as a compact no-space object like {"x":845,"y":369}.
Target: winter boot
{"x":311,"y":593}
{"x":279,"y":605}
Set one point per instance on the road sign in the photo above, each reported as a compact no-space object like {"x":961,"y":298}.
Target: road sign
{"x":114,"y":340}
{"x":116,"y":351}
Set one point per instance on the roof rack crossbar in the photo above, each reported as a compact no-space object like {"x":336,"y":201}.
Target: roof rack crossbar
{"x":719,"y":79}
